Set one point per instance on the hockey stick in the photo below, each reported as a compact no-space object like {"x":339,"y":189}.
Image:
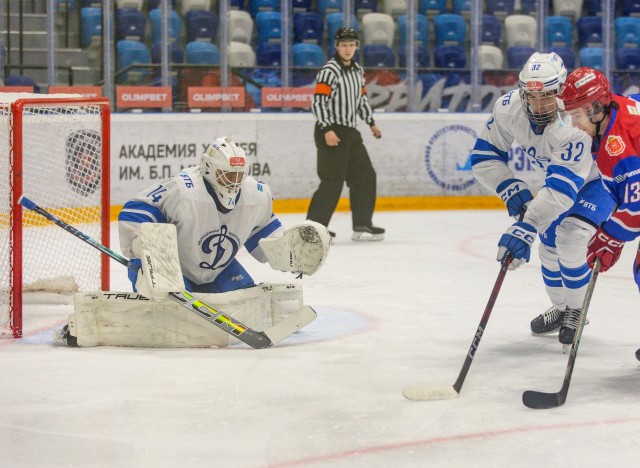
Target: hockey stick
{"x":543,"y":400}
{"x":420,"y":392}
{"x":255,"y":339}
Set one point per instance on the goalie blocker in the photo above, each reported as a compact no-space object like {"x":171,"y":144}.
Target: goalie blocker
{"x":107,"y":318}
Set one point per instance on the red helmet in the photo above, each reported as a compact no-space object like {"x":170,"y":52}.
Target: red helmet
{"x":585,"y":86}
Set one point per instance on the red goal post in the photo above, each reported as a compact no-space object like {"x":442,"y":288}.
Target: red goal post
{"x":55,"y":150}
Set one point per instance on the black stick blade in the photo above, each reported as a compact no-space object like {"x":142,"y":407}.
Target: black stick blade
{"x":542,"y":400}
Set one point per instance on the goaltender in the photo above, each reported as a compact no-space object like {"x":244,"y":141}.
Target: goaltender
{"x":188,"y":230}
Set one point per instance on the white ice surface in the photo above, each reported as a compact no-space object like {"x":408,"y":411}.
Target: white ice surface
{"x":391,"y":314}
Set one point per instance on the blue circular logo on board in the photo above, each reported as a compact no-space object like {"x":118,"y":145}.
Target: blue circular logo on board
{"x":447,"y":157}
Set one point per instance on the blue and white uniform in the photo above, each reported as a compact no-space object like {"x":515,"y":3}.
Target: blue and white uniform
{"x":209,"y":234}
{"x":570,"y":205}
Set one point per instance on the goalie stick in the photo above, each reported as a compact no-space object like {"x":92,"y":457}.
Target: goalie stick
{"x":419,"y":392}
{"x":255,"y":339}
{"x":543,"y":400}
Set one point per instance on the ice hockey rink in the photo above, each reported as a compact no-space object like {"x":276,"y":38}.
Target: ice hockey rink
{"x":390,"y":314}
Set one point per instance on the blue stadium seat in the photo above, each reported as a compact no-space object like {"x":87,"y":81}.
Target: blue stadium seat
{"x":567,"y":55}
{"x":300,"y":6}
{"x":256,"y":6}
{"x":422,"y":57}
{"x":269,"y":26}
{"x":450,"y":29}
{"x":365,"y":6}
{"x":91,"y":24}
{"x":91,"y":3}
{"x":559,"y":30}
{"x":204,"y":53}
{"x":378,"y":56}
{"x":335,"y":21}
{"x":592,"y":57}
{"x":308,"y":27}
{"x":153,"y":4}
{"x":269,"y":54}
{"x":517,"y":56}
{"x":421,"y":36}
{"x":201,"y":25}
{"x":326,"y":7}
{"x":594,"y":7}
{"x":499,"y":8}
{"x":129,"y":53}
{"x":630,"y":8}
{"x":627,"y":32}
{"x":528,"y":7}
{"x":236,"y":4}
{"x":446,"y":56}
{"x":130,"y":24}
{"x":628,"y":59}
{"x":22,"y":80}
{"x":176,"y":54}
{"x":491,"y":30}
{"x":307,"y":55}
{"x":450,"y":57}
{"x":462,"y":7}
{"x":432,"y":7}
{"x":175,"y":24}
{"x":428,"y":80}
{"x":589,"y":31}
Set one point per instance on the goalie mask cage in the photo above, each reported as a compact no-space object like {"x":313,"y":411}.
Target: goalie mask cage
{"x":55,"y":151}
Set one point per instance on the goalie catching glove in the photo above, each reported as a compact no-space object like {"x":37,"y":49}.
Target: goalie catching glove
{"x":157,"y":248}
{"x":302,"y":248}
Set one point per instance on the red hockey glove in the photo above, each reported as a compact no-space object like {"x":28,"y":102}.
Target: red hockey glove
{"x":606,"y":247}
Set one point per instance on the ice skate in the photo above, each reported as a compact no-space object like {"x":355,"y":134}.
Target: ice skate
{"x":569,"y":326}
{"x":367,"y":233}
{"x":548,"y":322}
{"x":62,"y":337}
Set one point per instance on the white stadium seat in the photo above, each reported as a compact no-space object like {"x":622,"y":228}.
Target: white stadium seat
{"x":240,"y":54}
{"x":378,"y":28}
{"x":186,"y":5}
{"x":490,"y":57}
{"x":571,"y":8}
{"x":240,"y":26}
{"x":520,"y":30}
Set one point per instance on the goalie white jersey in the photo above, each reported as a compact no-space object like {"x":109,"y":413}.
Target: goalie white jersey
{"x":561,"y":152}
{"x":209,"y":236}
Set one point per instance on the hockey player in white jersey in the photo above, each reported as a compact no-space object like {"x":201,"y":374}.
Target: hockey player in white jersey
{"x":185,"y":233}
{"x":568,"y":208}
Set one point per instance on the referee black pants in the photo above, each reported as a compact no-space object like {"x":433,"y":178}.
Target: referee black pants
{"x":348,"y":162}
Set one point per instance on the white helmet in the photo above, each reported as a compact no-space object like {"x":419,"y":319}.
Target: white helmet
{"x":540,"y":80}
{"x":224,"y":166}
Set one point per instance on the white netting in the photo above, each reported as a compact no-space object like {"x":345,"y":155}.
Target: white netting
{"x":62,"y":172}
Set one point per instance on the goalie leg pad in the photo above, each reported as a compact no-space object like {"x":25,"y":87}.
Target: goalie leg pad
{"x":130,"y":319}
{"x":157,"y":248}
{"x":302,"y":248}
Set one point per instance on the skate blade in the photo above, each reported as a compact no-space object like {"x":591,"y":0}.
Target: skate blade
{"x":366,"y":237}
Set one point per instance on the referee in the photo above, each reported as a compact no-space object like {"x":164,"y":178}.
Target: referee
{"x":340,"y":96}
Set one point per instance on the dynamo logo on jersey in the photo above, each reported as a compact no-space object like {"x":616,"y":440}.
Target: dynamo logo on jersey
{"x":223,"y":245}
{"x":447,"y":157}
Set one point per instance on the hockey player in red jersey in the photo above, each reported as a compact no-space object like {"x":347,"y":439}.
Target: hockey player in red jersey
{"x":614,"y":123}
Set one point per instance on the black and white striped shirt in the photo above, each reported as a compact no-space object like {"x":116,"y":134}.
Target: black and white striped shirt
{"x":340,"y":95}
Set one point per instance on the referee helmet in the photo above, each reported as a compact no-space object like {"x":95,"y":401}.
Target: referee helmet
{"x":346,"y":34}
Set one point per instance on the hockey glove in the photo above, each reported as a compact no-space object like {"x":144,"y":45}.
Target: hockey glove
{"x":606,"y":247}
{"x":636,"y":269}
{"x":517,"y":240}
{"x":515,"y":194}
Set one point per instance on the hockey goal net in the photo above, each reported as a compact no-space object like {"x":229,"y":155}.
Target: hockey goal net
{"x":54,"y":150}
